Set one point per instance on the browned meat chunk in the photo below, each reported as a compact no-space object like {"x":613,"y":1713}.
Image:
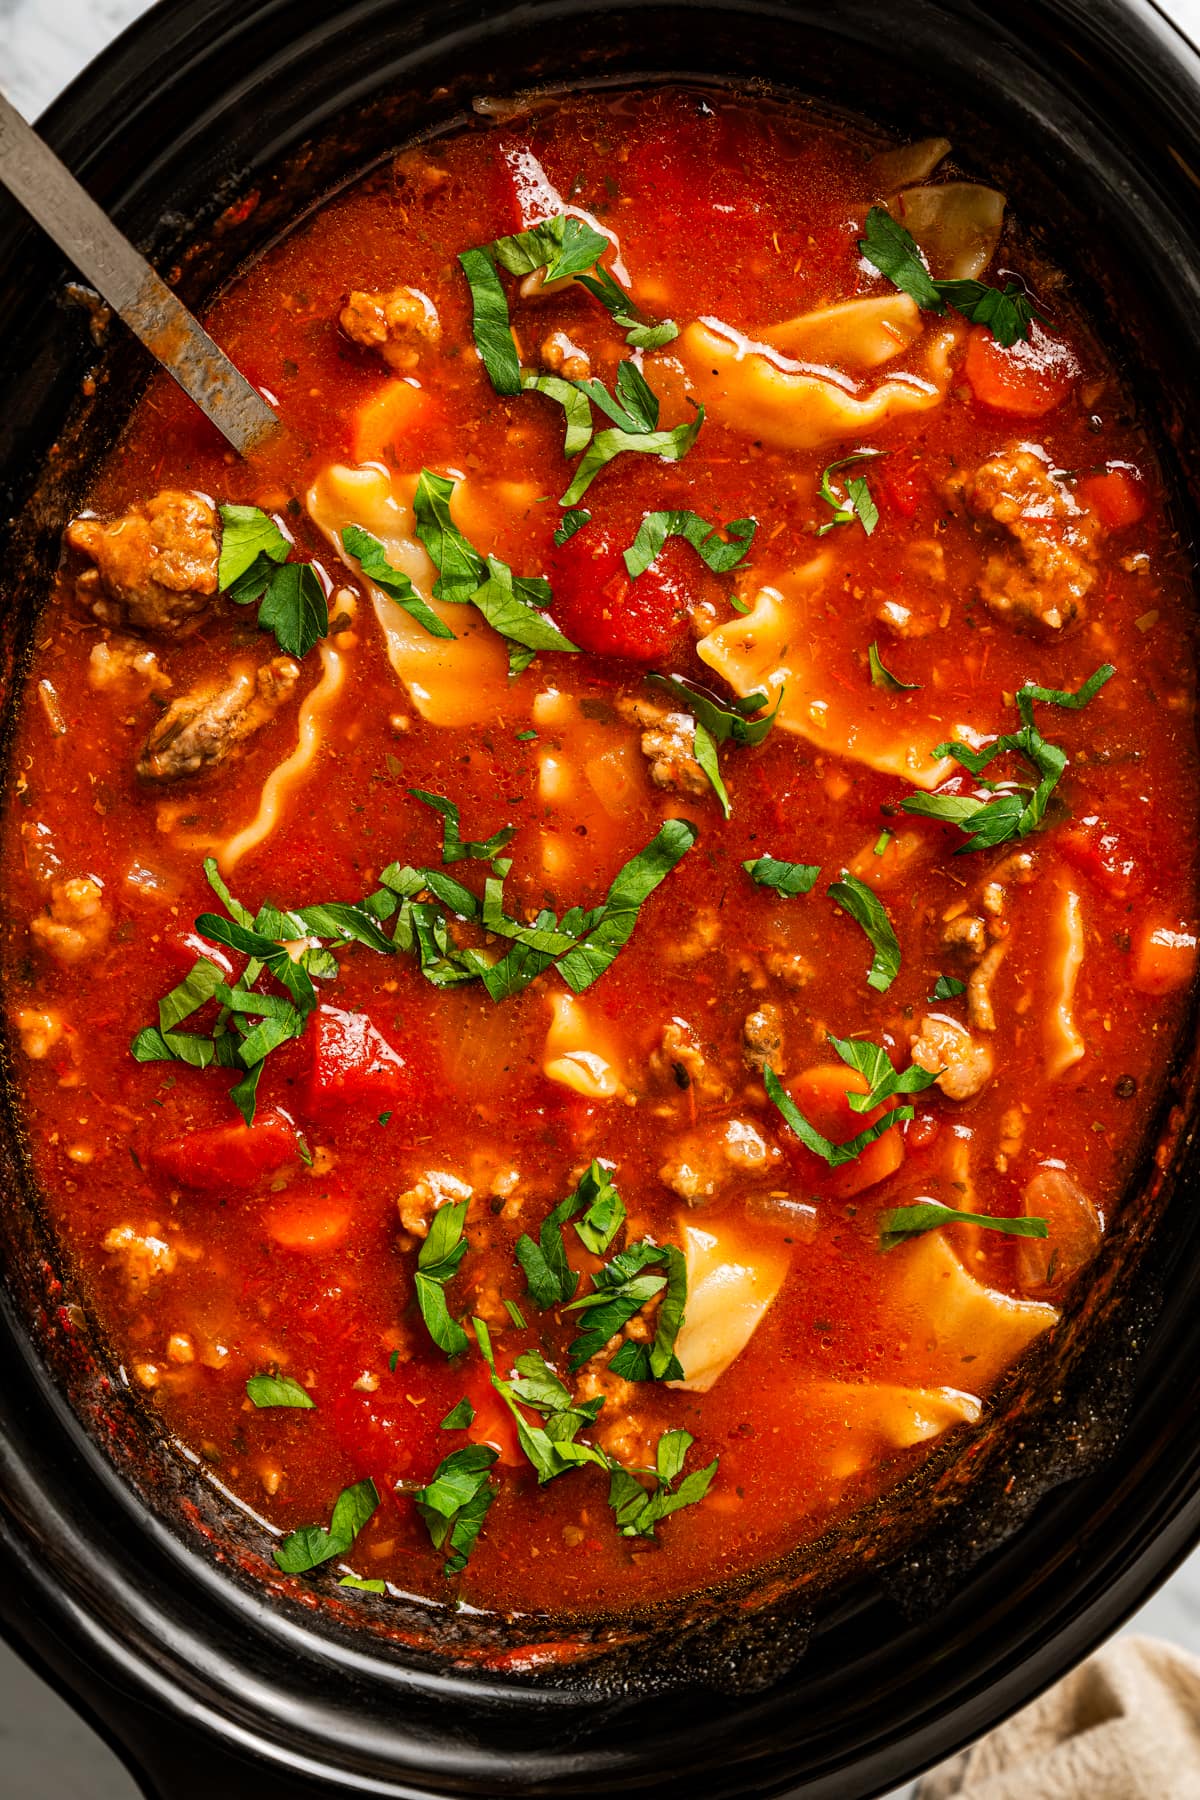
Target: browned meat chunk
{"x":154,"y":568}
{"x":668,"y":742}
{"x":1043,"y":578}
{"x":388,"y":321}
{"x":762,"y":1039}
{"x":76,"y":922}
{"x":704,"y":1162}
{"x":963,"y":1065}
{"x":126,"y":668}
{"x":209,"y":724}
{"x":562,"y":357}
{"x":680,"y":1062}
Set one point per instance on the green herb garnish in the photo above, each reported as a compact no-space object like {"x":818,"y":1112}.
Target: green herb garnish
{"x":456,"y":848}
{"x":720,"y":553}
{"x":551,"y":1448}
{"x":253,"y":566}
{"x":736,"y":724}
{"x":905,"y":1222}
{"x":637,"y":1511}
{"x":438,"y":1263}
{"x":278,"y":1390}
{"x":787,"y":878}
{"x":1019,"y":809}
{"x":948,"y":987}
{"x":314,"y":1544}
{"x":455,"y":1501}
{"x":671,"y":446}
{"x":372,"y":558}
{"x":619,"y":1290}
{"x":856,"y":503}
{"x":884,"y":1082}
{"x":572,"y":522}
{"x":866,"y":909}
{"x":883,"y":678}
{"x":1007,"y":314}
{"x":459,"y":1417}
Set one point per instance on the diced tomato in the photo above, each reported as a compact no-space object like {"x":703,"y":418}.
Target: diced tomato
{"x":352,"y":1062}
{"x":530,"y":193}
{"x":1101,"y":854}
{"x":820,"y":1095}
{"x":229,"y":1156}
{"x":1164,"y":956}
{"x":1117,"y":497}
{"x":391,"y":1432}
{"x":902,"y":485}
{"x":599,"y":608}
{"x":1027,"y":379}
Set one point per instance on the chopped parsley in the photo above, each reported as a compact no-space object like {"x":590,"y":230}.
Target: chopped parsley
{"x":884,"y":1083}
{"x":249,"y":1024}
{"x":866,"y":909}
{"x":720,"y":553}
{"x":619,"y":1290}
{"x":738,"y":723}
{"x":550,"y":1280}
{"x":1007,"y":313}
{"x":456,"y":848}
{"x":511,"y":604}
{"x":455,"y":1502}
{"x":365,"y":1585}
{"x":787,"y":878}
{"x":637,"y":1511}
{"x":671,"y":446}
{"x":315,"y":1544}
{"x":1018,"y":808}
{"x":856,"y":502}
{"x":704,"y":749}
{"x":372,"y":558}
{"x":551,"y":1447}
{"x":572,"y":522}
{"x":278,"y":1390}
{"x":883,"y":678}
{"x":459,"y":1417}
{"x":948,"y":987}
{"x":253,"y":567}
{"x":438,"y":1263}
{"x":605,"y":1213}
{"x":904,"y":1222}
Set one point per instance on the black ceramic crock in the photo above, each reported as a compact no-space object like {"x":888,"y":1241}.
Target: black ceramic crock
{"x":125,"y":1576}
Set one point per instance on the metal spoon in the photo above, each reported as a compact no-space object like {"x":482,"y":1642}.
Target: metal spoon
{"x":46,"y":188}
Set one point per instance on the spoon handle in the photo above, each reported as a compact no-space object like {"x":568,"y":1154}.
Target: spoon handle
{"x":86,"y":235}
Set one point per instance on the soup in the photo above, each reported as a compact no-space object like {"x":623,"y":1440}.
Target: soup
{"x":591,"y":941}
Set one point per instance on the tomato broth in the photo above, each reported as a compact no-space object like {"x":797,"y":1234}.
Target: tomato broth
{"x":952,"y":498}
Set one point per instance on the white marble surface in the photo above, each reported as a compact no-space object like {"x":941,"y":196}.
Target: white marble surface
{"x":46,"y":1753}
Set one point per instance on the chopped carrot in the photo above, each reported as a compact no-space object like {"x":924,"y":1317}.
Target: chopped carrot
{"x":1028,"y":379}
{"x":387,"y":417}
{"x":309,"y":1224}
{"x":820,"y":1093}
{"x":1164,"y":956}
{"x":1116,"y":497}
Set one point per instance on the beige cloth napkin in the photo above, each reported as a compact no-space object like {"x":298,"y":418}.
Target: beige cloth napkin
{"x":1123,"y":1726}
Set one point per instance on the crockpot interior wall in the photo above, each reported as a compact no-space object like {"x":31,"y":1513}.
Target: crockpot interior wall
{"x":202,"y":104}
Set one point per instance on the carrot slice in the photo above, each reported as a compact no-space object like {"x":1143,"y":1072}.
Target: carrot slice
{"x":1116,"y":497}
{"x":1030,"y":378}
{"x":385,"y":420}
{"x":820,"y":1093}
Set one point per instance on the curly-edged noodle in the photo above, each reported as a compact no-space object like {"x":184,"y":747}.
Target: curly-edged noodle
{"x":957,"y":226}
{"x":768,"y":650}
{"x":936,"y":1296}
{"x":578,"y":1051}
{"x":754,"y":389}
{"x":853,"y":335}
{"x":862,"y":1421}
{"x":898,"y":168}
{"x":732,"y":1279}
{"x":1064,"y":944}
{"x":451,"y":681}
{"x":291,"y":774}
